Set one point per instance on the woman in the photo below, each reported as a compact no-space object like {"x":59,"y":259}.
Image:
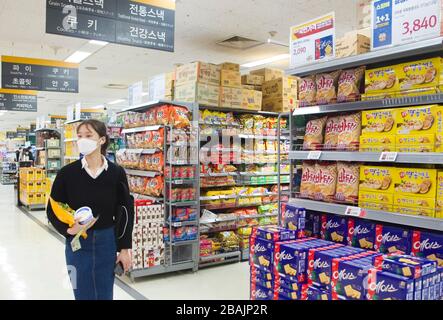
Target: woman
{"x":102,"y":186}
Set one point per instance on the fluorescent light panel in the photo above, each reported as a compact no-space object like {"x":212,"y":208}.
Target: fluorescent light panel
{"x":266,"y":61}
{"x":78,"y":56}
{"x":98,"y":43}
{"x":116,"y":101}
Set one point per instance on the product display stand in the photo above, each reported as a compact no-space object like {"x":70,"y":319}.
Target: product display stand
{"x":69,"y":142}
{"x":9,"y":173}
{"x":373,"y":59}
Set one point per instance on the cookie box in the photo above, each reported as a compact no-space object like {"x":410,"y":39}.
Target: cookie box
{"x":377,"y":179}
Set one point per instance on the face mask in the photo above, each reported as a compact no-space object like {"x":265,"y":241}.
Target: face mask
{"x":87,"y":146}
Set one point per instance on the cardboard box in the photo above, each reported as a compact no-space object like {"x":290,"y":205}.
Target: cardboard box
{"x":252,"y":79}
{"x":415,"y":182}
{"x":382,"y":122}
{"x":205,"y":94}
{"x":161,"y":87}
{"x":364,"y":13}
{"x":420,"y":74}
{"x":279,"y":105}
{"x":268,"y":73}
{"x":230,"y":97}
{"x":229,"y":66}
{"x":439,"y":199}
{"x":375,"y":200}
{"x":414,"y":205}
{"x":420,"y":120}
{"x":377,"y":142}
{"x":388,"y":286}
{"x":197,"y":72}
{"x":229,"y":78}
{"x":415,"y":143}
{"x":251,"y":100}
{"x":252,"y":87}
{"x":377,"y":179}
{"x":352,"y":44}
{"x":285,"y":87}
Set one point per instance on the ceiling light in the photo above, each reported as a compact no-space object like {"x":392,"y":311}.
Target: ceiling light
{"x":117,"y":101}
{"x":98,"y":43}
{"x":266,"y":61}
{"x":78,"y":56}
{"x":99,"y":107}
{"x":144,"y":94}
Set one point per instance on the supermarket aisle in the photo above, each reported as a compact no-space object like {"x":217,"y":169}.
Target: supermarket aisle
{"x":32,"y":264}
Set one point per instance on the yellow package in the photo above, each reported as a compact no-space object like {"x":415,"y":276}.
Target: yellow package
{"x":415,"y":143}
{"x":439,"y":198}
{"x":414,"y":205}
{"x":379,"y":121}
{"x":382,"y":80}
{"x":422,"y":119}
{"x":375,"y":200}
{"x":416,"y":182}
{"x":376,"y":142}
{"x":377,"y":179}
{"x":419,"y":74}
{"x":213,"y":194}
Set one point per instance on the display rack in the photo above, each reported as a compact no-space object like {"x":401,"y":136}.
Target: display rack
{"x":179,"y":255}
{"x":69,"y":138}
{"x":415,"y":50}
{"x":8,"y":173}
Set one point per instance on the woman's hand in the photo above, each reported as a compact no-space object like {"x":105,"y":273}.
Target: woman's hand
{"x":125,"y":258}
{"x":77,"y":227}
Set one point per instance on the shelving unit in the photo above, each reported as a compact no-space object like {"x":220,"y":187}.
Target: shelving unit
{"x":8,"y":173}
{"x":414,"y":51}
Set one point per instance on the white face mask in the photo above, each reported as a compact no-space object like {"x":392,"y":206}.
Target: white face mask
{"x":87,"y":146}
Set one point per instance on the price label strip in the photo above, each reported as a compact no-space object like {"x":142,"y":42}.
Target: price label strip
{"x":388,"y":156}
{"x":355,"y":212}
{"x":314,"y":155}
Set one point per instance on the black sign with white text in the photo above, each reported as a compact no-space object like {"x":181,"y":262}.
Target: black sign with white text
{"x":14,"y":100}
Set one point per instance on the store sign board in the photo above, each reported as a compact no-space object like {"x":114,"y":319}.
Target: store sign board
{"x":18,"y":100}
{"x":398,"y":22}
{"x":39,"y":74}
{"x":313,"y":41}
{"x":11,"y":134}
{"x":140,"y":23}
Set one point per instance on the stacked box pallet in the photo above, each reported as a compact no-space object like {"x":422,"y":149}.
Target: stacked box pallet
{"x":198,"y":82}
{"x":230,"y":86}
{"x":161,"y":87}
{"x":252,"y":96}
{"x":280,"y":94}
{"x":32,"y":186}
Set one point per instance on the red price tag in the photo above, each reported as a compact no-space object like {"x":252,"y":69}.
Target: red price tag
{"x":416,"y":25}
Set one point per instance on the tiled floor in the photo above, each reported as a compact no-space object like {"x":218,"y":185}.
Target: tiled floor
{"x":32,"y":266}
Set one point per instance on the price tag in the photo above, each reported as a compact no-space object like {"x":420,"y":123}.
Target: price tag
{"x":314,"y":155}
{"x":178,"y":181}
{"x":388,"y":156}
{"x":222,"y":197}
{"x":355,"y":212}
{"x":177,"y":224}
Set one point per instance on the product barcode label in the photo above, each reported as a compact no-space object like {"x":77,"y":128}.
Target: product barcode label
{"x":314,"y":155}
{"x":354,"y":211}
{"x":388,"y":156}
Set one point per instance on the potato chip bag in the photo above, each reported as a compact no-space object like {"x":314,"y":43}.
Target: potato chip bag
{"x":307,"y":185}
{"x":307,"y":91}
{"x":347,"y":182}
{"x":325,"y":181}
{"x":179,"y":117}
{"x":332,"y":130}
{"x":314,"y":134}
{"x":327,"y":87}
{"x":349,"y":84}
{"x":350,"y":131}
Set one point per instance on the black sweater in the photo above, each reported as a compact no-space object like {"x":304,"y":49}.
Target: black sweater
{"x":75,"y":187}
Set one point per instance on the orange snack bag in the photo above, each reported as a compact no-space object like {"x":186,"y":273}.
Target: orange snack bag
{"x":179,"y":117}
{"x":158,"y":138}
{"x":162,"y":115}
{"x":347,"y":182}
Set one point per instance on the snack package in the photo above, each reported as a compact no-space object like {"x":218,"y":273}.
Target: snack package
{"x":379,"y":121}
{"x":179,"y":117}
{"x":332,"y":130}
{"x":419,"y":120}
{"x":247,"y":123}
{"x":349,"y":84}
{"x":158,"y":139}
{"x":416,"y":182}
{"x":313,"y":139}
{"x":259,"y":125}
{"x":381,"y":81}
{"x":307,"y":91}
{"x":162,"y":115}
{"x":156,"y":162}
{"x":374,"y":178}
{"x":307,"y":186}
{"x":419,"y":74}
{"x":154,"y":186}
{"x":347,"y":182}
{"x":327,"y":87}
{"x":325,"y":181}
{"x":349,"y":135}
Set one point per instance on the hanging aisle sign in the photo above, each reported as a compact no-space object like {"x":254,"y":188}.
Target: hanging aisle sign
{"x":39,"y":74}
{"x":398,"y":22}
{"x":18,"y":100}
{"x":313,"y":41}
{"x":139,"y":23}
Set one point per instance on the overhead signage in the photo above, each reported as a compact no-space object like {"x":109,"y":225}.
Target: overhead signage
{"x":405,"y":21}
{"x":313,"y":41}
{"x":11,"y":134}
{"x":39,"y":74}
{"x":18,"y":100}
{"x":139,"y":23}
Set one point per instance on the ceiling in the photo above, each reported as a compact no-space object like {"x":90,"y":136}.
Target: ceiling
{"x":199,"y":26}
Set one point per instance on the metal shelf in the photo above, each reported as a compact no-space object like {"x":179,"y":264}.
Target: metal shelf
{"x":223,"y":174}
{"x":394,"y":53}
{"x":138,"y":196}
{"x":72,"y":158}
{"x":236,"y":125}
{"x":182,"y":223}
{"x":382,"y":216}
{"x":428,"y":158}
{"x":185,"y":181}
{"x":142,"y":151}
{"x":259,"y":137}
{"x":156,"y":103}
{"x":160,"y":269}
{"x":182,"y":243}
{"x":370,"y":104}
{"x":141,"y":173}
{"x":263,"y":174}
{"x":255,"y":216}
{"x":141,"y":129}
{"x":238,"y":110}
{"x":235,"y":254}
{"x":182,"y":203}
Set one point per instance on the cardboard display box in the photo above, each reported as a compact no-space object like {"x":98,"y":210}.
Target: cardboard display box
{"x":229,"y":78}
{"x":252,"y":79}
{"x":364,"y":13}
{"x":201,"y":93}
{"x":230,"y":97}
{"x":201,"y":72}
{"x":251,"y":100}
{"x":353,"y":43}
{"x":230,"y":66}
{"x":283,"y":88}
{"x":161,"y":86}
{"x":252,"y":87}
{"x":279,"y":105}
{"x":268,"y":73}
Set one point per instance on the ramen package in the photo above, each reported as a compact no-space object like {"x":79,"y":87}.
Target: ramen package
{"x":347,"y":182}
{"x":157,"y":139}
{"x":179,"y":117}
{"x":350,"y":130}
{"x":307,"y":91}
{"x":325,"y":181}
{"x":349,"y":84}
{"x":314,"y":134}
{"x":162,"y":115}
{"x":327,"y":87}
{"x":154,"y":186}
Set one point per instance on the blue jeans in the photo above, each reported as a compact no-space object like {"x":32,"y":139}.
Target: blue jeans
{"x":91,"y":269}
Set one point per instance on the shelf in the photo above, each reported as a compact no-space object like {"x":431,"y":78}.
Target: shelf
{"x":263,"y":174}
{"x":234,"y":125}
{"x":382,"y":216}
{"x":138,"y":196}
{"x":258,"y":137}
{"x":238,"y":110}
{"x":182,"y":243}
{"x":234,"y":205}
{"x":207,"y":230}
{"x":46,"y":129}
{"x":370,"y":104}
{"x":142,"y":107}
{"x":74,"y":121}
{"x":256,"y":216}
{"x":426,"y":158}
{"x":70,"y":140}
{"x":160,"y":270}
{"x":141,"y":151}
{"x":394,"y":53}
{"x":141,"y":129}
{"x":149,"y":174}
{"x":182,"y":203}
{"x":223,"y":174}
{"x":185,"y":181}
{"x":182,"y":223}
{"x":235,"y":254}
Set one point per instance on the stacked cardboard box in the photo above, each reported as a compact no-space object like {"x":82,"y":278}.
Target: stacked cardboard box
{"x":230,"y":86}
{"x":198,"y":82}
{"x":280,"y":95}
{"x":32,"y":186}
{"x":353,"y":43}
{"x":161,"y":87}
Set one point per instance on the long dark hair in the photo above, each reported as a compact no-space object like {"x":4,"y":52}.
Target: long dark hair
{"x":101,"y":130}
